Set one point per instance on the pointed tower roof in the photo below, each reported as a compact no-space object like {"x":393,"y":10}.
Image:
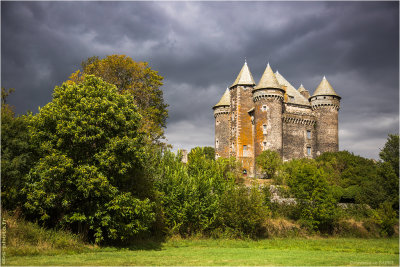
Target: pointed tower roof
{"x":324,"y":88}
{"x":225,"y":99}
{"x":290,"y":90}
{"x":301,"y":88}
{"x":244,"y":77}
{"x":268,"y":79}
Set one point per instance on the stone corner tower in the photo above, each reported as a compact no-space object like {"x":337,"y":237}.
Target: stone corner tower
{"x":325,"y":104}
{"x":221,"y":115}
{"x":241,"y":139}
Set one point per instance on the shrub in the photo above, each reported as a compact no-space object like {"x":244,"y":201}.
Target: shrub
{"x":242,"y":209}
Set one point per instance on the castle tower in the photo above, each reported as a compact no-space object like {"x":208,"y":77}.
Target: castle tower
{"x":268,"y":98}
{"x":303,"y":91}
{"x":325,"y":104}
{"x":241,"y":143}
{"x":221,"y":115}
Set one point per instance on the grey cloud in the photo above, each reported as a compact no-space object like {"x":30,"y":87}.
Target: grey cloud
{"x":199,"y":47}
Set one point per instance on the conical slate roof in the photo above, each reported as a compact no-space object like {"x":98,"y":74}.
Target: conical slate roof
{"x":324,"y":88}
{"x":225,"y":99}
{"x":268,"y":79}
{"x":244,"y":77}
{"x":301,"y":88}
{"x":291,"y":91}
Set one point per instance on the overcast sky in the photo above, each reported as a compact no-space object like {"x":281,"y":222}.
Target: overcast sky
{"x":199,"y":48}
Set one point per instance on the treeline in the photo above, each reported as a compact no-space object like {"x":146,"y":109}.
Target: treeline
{"x":92,"y":162}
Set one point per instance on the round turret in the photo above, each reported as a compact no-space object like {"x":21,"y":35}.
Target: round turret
{"x":268,"y":98}
{"x":325,"y":103}
{"x":221,"y":115}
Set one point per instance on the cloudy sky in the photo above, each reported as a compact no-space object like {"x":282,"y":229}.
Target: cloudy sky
{"x":199,"y":48}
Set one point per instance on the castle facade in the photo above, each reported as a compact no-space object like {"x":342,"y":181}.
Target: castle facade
{"x":274,"y":115}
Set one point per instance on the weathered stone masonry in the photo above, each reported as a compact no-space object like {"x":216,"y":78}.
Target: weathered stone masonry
{"x":273,"y":115}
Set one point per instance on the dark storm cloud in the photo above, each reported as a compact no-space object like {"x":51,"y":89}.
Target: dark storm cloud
{"x":199,"y":47}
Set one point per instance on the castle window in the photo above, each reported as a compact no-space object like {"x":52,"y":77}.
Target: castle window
{"x":264,"y":108}
{"x":264,"y":128}
{"x":244,"y":148}
{"x":308,"y":134}
{"x":216,"y":143}
{"x":264,"y":145}
{"x":216,"y":155}
{"x":308,"y":151}
{"x":291,"y":98}
{"x":245,"y":151}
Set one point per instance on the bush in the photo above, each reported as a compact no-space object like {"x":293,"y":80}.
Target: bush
{"x":242,"y":210}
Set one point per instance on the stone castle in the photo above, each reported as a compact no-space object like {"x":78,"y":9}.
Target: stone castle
{"x":273,"y":115}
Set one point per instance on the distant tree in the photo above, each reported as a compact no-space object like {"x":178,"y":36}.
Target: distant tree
{"x":89,"y":174}
{"x":136,"y":79}
{"x":390,"y":152}
{"x":269,"y":161}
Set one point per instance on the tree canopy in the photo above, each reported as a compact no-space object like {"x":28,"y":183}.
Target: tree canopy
{"x":136,"y":79}
{"x":91,"y":158}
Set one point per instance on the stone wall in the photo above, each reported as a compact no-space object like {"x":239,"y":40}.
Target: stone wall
{"x":299,"y":135}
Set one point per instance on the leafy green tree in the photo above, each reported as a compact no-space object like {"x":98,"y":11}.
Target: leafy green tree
{"x":308,"y":183}
{"x":390,"y":152}
{"x":208,"y":152}
{"x":360,"y":180}
{"x":269,"y":161}
{"x":89,"y":175}
{"x":136,"y":79}
{"x":17,"y":154}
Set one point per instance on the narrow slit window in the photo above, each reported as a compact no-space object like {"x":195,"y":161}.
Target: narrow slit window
{"x":308,"y":151}
{"x":308,"y":134}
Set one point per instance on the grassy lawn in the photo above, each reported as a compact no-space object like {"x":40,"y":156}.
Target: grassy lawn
{"x":316,"y":251}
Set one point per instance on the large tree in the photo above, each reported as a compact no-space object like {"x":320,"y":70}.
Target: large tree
{"x":136,"y":79}
{"x":88,"y":176}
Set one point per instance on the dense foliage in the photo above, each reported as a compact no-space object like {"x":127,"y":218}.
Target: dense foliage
{"x":203,"y":198}
{"x":269,"y":161}
{"x":88,"y":176}
{"x":314,"y":196}
{"x":136,"y":79}
{"x":17,"y":155}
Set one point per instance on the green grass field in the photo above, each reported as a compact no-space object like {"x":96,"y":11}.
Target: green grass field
{"x":315,"y":251}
